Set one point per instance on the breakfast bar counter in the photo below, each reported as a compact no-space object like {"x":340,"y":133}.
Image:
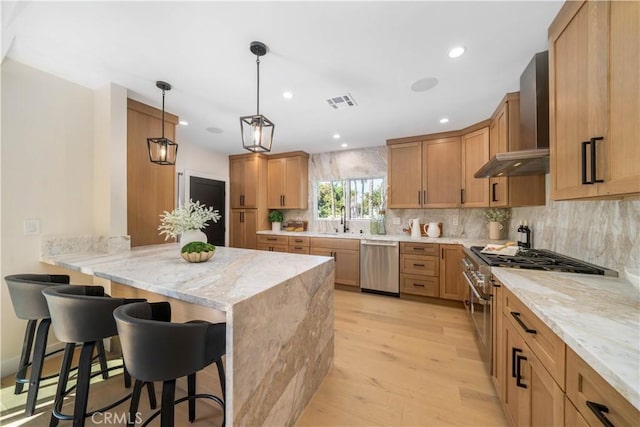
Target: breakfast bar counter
{"x":278,"y":308}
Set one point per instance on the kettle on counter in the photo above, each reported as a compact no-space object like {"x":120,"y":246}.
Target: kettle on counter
{"x":414,"y":225}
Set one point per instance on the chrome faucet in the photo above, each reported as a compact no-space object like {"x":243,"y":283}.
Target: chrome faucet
{"x":343,"y":220}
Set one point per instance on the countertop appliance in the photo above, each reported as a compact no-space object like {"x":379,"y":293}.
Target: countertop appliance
{"x":380,"y":266}
{"x":476,"y":271}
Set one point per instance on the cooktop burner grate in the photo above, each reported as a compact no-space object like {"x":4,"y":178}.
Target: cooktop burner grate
{"x":539,"y":259}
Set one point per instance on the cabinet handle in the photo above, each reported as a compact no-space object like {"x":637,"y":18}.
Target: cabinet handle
{"x":419,"y":201}
{"x":272,"y":239}
{"x":518,"y":371}
{"x":284,"y":200}
{"x":599,"y":410}
{"x":462,"y":196}
{"x":528,"y":330}
{"x":241,"y":216}
{"x":297,"y":240}
{"x":493,"y":192}
{"x":416,"y":248}
{"x":583,"y":158}
{"x":242,"y":200}
{"x":298,"y":248}
{"x":418,"y":265}
{"x":592,"y":142}
{"x":513,"y":360}
{"x":424,"y":196}
{"x":442,"y":253}
{"x":420,"y":285}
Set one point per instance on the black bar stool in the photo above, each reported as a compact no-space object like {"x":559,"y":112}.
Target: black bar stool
{"x":25,"y":291}
{"x":83,"y":314}
{"x":156,"y":350}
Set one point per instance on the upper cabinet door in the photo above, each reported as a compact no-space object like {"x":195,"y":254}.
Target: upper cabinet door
{"x":578,"y":95}
{"x":619,"y":167}
{"x":276,"y":175}
{"x":243,"y":173}
{"x":288,"y":182}
{"x":405,"y":175}
{"x":441,"y":173}
{"x":498,"y":186}
{"x":475,"y":153}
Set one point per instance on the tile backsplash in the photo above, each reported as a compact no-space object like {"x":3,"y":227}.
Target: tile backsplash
{"x":606,"y":233}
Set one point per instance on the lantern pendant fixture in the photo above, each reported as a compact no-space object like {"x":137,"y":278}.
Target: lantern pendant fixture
{"x":162,"y":151}
{"x":257,"y":130}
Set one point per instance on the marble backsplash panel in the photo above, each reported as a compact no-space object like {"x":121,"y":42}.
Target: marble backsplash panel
{"x":606,"y":233}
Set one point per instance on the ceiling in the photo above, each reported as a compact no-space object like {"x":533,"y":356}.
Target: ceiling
{"x":374,"y":51}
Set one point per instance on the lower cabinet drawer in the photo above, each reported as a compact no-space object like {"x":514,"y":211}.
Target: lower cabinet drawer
{"x":572,"y":417}
{"x":594,"y":398}
{"x":272,"y":247}
{"x":419,"y":264}
{"x":419,"y":285}
{"x":272,"y":240}
{"x":299,"y":249}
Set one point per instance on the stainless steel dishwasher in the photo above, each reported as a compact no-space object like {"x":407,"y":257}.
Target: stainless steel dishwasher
{"x":379,"y":267}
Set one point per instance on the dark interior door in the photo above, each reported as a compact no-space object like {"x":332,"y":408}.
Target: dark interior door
{"x":210,"y":193}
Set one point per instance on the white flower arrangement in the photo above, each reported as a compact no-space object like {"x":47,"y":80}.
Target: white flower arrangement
{"x":497,"y":214}
{"x":191,"y":216}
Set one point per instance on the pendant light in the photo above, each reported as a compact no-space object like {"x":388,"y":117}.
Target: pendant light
{"x":162,"y":151}
{"x":257,"y":130}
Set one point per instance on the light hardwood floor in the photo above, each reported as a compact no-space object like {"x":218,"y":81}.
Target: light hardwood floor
{"x":397,"y":362}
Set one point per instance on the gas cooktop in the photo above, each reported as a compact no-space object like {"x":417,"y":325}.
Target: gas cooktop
{"x":541,"y":259}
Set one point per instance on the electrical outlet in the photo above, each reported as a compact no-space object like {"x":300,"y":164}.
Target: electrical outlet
{"x":396,"y":221}
{"x":31,"y":227}
{"x":455,"y":220}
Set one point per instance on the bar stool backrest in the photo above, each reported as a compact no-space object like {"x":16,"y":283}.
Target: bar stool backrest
{"x":156,"y":350}
{"x":82,"y":313}
{"x":25,"y":291}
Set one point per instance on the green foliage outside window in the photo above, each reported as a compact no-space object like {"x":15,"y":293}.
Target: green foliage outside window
{"x":363,"y":198}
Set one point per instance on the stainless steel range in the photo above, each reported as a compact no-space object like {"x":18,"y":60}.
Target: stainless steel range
{"x":476,"y":269}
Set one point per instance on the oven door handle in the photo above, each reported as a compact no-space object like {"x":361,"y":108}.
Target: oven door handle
{"x":481,"y":300}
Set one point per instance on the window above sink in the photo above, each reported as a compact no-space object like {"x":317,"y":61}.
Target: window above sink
{"x":363,"y":198}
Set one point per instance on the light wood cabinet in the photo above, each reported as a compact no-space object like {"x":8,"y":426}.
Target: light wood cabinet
{"x":594,"y":398}
{"x":497,"y":343}
{"x":572,"y":417}
{"x":452,"y":285}
{"x":346,"y":254}
{"x":247,"y":173}
{"x":475,"y":153}
{"x":531,"y":396}
{"x":287,"y":182}
{"x":594,"y":100}
{"x":419,"y":269}
{"x":273,"y":243}
{"x":424,"y":174}
{"x":299,"y":245}
{"x":504,"y":136}
{"x":244,"y":224}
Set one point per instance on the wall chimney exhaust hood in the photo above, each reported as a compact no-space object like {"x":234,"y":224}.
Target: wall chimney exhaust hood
{"x":532,"y":153}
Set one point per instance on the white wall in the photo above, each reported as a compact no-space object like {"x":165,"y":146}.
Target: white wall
{"x":47,"y":174}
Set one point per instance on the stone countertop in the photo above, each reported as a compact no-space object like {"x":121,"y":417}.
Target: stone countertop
{"x":597,"y":317}
{"x":386,"y":237}
{"x":231,"y":276}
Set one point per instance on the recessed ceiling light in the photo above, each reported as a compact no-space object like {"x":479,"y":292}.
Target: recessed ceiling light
{"x":344,"y":145}
{"x":287,"y":95}
{"x":424,"y":84}
{"x":444,"y":120}
{"x":214,"y":130}
{"x":456,"y":51}
{"x":336,"y":136}
{"x":184,"y":123}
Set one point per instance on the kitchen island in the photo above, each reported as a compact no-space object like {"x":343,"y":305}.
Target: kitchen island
{"x":278,"y":309}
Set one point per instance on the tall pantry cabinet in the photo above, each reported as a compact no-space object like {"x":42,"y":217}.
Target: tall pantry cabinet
{"x":594,"y":100}
{"x":248,"y":175}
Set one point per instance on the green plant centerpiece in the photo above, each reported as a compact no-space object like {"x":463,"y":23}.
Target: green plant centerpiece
{"x":197,"y":251}
{"x":276,"y":216}
{"x":500,"y":215}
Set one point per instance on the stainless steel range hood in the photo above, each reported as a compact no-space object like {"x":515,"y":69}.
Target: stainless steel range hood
{"x":531,"y":155}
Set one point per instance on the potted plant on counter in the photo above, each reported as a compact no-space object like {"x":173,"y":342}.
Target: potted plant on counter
{"x":187,"y":222}
{"x":496,"y":217}
{"x":276,"y":218}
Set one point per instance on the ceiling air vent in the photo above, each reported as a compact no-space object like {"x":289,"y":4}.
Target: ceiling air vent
{"x":341,"y":102}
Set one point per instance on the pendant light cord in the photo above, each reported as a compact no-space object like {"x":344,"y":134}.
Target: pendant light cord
{"x":258,"y":86}
{"x":163,"y":113}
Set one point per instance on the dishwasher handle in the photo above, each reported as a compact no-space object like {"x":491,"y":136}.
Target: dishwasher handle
{"x":378,"y":243}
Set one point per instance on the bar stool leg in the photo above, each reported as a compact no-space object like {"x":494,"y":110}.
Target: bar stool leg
{"x":151,"y":390}
{"x":191,"y":391}
{"x":168,"y":398}
{"x":82,"y":387}
{"x":102,"y":357}
{"x":135,"y":401}
{"x":65,"y":368}
{"x":24,"y":357}
{"x":36,"y":366}
{"x":222,"y":377}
